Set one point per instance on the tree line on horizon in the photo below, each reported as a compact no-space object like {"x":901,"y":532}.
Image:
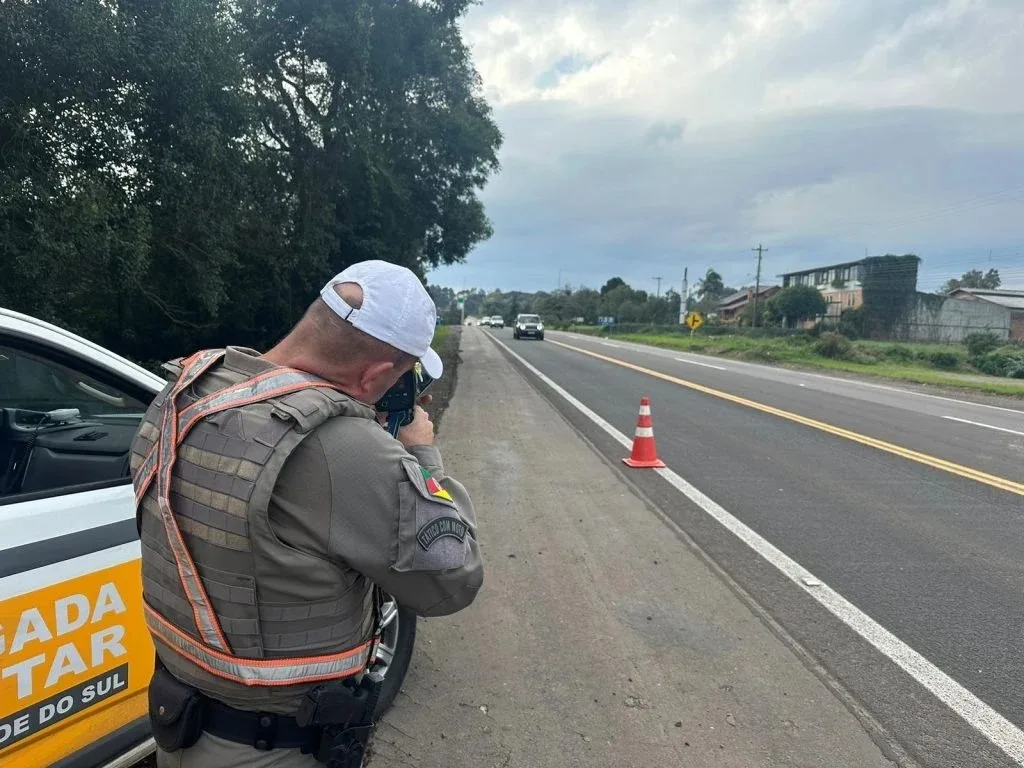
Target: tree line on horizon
{"x":617,"y":299}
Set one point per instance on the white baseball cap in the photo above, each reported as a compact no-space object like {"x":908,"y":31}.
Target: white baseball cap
{"x":396,"y":309}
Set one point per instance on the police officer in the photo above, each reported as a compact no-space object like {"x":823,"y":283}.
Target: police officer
{"x":272,"y":508}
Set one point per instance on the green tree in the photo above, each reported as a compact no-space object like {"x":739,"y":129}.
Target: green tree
{"x":974,"y":278}
{"x":711,"y":286}
{"x":631,"y":311}
{"x":795,"y":304}
{"x":377,"y":109}
{"x":193,"y":170}
{"x":443,"y":297}
{"x":585,"y":303}
{"x":747,"y":314}
{"x":611,"y":285}
{"x":73,"y":237}
{"x":474,"y":302}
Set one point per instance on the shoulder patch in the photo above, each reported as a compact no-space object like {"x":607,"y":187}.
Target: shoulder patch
{"x":425,"y":483}
{"x":439,"y":528}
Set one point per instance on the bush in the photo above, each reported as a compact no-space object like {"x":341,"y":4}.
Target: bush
{"x":833,"y":345}
{"x":980,"y":344}
{"x":803,"y":340}
{"x":864,"y":357}
{"x":943,"y":359}
{"x":900,"y":353}
{"x":760,"y":353}
{"x":1004,"y":361}
{"x":851,"y":323}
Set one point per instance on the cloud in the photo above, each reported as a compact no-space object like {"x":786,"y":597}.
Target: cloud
{"x":665,"y":131}
{"x":645,"y":137}
{"x":566,"y":67}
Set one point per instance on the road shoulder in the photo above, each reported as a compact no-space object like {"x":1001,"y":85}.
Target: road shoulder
{"x":600,"y":637}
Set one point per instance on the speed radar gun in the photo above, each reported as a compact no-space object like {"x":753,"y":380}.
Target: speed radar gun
{"x":399,"y":402}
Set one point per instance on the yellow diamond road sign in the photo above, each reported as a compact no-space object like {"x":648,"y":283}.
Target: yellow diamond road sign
{"x":694,"y":320}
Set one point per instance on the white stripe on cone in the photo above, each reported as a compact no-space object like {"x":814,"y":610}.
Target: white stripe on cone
{"x":644,"y":432}
{"x":645,"y":410}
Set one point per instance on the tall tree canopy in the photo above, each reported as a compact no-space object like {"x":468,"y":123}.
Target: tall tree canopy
{"x":711,"y":286}
{"x":974,"y":278}
{"x":175,"y":173}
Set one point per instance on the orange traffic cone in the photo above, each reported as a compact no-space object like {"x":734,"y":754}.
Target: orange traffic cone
{"x":645,"y":453}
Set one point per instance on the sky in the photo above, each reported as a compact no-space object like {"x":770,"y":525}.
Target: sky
{"x":645,"y":137}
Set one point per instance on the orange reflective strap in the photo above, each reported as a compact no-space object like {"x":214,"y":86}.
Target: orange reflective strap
{"x":212,"y":652}
{"x":176,"y":427}
{"x":260,"y":672}
{"x":191,"y":369}
{"x":275,"y":383}
{"x":202,"y":611}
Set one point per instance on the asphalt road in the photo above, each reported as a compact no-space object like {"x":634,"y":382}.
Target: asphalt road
{"x":921,"y":546}
{"x":601,"y":638}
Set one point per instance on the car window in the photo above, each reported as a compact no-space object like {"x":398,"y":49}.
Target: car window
{"x":60,"y":427}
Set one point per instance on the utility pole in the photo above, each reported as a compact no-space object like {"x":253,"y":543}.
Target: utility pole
{"x":683,"y":297}
{"x":659,"y":285}
{"x":757,"y":283}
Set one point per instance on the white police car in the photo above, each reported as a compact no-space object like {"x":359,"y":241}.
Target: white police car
{"x":75,"y":653}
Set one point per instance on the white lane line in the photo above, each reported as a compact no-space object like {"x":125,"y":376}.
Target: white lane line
{"x":704,"y":365}
{"x":608,"y":344}
{"x":987,"y":426}
{"x":790,"y":372}
{"x":979,"y":715}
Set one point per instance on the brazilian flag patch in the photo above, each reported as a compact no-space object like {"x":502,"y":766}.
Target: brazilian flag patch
{"x":434,"y":488}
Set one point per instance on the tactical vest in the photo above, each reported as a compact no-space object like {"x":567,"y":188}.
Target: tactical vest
{"x":204,"y":470}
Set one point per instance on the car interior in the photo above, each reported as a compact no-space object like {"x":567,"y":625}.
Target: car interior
{"x":60,"y":428}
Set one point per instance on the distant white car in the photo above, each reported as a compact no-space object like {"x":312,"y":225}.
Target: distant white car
{"x":497,"y":321}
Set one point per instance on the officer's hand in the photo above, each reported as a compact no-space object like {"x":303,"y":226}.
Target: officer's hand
{"x":425,"y":400}
{"x":419,"y":432}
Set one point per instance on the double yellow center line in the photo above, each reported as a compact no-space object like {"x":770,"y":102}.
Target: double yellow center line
{"x":994,"y":481}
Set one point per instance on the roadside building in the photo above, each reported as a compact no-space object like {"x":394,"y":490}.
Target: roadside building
{"x":731,"y":307}
{"x":886,"y":288}
{"x":840,"y":284}
{"x":1011,"y":301}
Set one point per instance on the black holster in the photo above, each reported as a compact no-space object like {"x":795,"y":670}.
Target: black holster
{"x":344,"y":710}
{"x":175,"y":711}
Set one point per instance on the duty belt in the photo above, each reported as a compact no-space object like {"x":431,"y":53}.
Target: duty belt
{"x":259,"y":730}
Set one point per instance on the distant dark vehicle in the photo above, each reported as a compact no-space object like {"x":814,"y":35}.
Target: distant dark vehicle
{"x":528,"y":327}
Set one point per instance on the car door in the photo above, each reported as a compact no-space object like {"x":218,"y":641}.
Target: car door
{"x":75,"y":655}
